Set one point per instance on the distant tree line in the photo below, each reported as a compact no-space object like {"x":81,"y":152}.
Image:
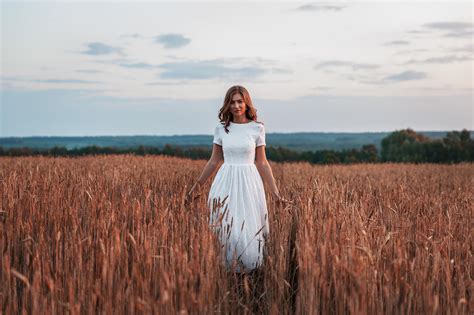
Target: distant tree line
{"x":409,"y":146}
{"x":399,"y":146}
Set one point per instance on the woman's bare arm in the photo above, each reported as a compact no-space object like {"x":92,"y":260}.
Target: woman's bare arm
{"x":215,"y":160}
{"x":265,"y":170}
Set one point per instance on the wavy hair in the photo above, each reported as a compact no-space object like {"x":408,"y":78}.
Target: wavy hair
{"x":225,"y":115}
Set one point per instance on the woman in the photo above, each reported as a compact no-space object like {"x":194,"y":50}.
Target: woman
{"x":237,"y":198}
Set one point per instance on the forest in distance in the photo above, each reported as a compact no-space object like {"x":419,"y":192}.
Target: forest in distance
{"x":295,"y":141}
{"x":400,"y":146}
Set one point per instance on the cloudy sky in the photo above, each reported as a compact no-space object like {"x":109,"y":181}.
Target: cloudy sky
{"x":72,"y":68}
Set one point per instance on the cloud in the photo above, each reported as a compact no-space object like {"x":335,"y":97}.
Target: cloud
{"x":67,"y":81}
{"x":138,"y":65}
{"x":454,"y":29}
{"x":135,"y":35}
{"x":26,"y":79}
{"x":460,"y":34}
{"x":418,"y":32}
{"x":322,"y":88}
{"x":88,"y":71}
{"x":410,"y":51}
{"x":112,"y":61}
{"x":11,"y":78}
{"x":340,"y":63}
{"x":406,"y":76}
{"x":389,"y":79}
{"x":442,"y":59}
{"x":208,"y":69}
{"x":397,"y":43}
{"x":319,"y":7}
{"x":467,"y":48}
{"x":172,"y":40}
{"x":450,"y":26}
{"x":281,"y":71}
{"x":126,"y":63}
{"x":98,"y":48}
{"x":446,"y":87}
{"x":169,"y":83}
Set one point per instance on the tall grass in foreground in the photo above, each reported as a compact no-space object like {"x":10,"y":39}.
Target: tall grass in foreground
{"x":112,"y":234}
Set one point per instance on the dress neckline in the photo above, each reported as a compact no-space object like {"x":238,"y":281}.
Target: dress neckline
{"x":241,"y":123}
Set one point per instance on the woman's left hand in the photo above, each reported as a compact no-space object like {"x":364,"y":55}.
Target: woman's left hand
{"x":193,"y":193}
{"x":281,"y":200}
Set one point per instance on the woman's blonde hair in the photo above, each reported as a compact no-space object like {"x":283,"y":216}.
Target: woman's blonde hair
{"x":225,"y":116}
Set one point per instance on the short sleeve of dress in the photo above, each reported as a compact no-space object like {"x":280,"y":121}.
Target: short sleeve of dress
{"x":261,"y":136}
{"x":217,"y":136}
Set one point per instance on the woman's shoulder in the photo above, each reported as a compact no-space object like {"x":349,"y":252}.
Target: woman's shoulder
{"x":260,"y":125}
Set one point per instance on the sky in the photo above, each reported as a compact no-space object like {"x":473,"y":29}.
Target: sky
{"x":82,"y":68}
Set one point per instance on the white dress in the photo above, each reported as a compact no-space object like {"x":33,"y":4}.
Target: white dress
{"x":241,"y":220}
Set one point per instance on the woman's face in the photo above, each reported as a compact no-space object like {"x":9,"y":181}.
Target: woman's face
{"x":237,"y":105}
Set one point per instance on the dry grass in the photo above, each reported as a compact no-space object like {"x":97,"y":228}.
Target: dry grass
{"x":112,"y":234}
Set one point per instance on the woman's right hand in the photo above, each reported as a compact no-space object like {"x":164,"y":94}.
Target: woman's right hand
{"x":283,"y":201}
{"x":194,"y":190}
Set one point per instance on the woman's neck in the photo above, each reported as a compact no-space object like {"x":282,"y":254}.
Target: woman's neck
{"x":240,"y":120}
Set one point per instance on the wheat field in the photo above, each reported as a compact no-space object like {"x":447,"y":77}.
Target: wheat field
{"x":112,"y":234}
